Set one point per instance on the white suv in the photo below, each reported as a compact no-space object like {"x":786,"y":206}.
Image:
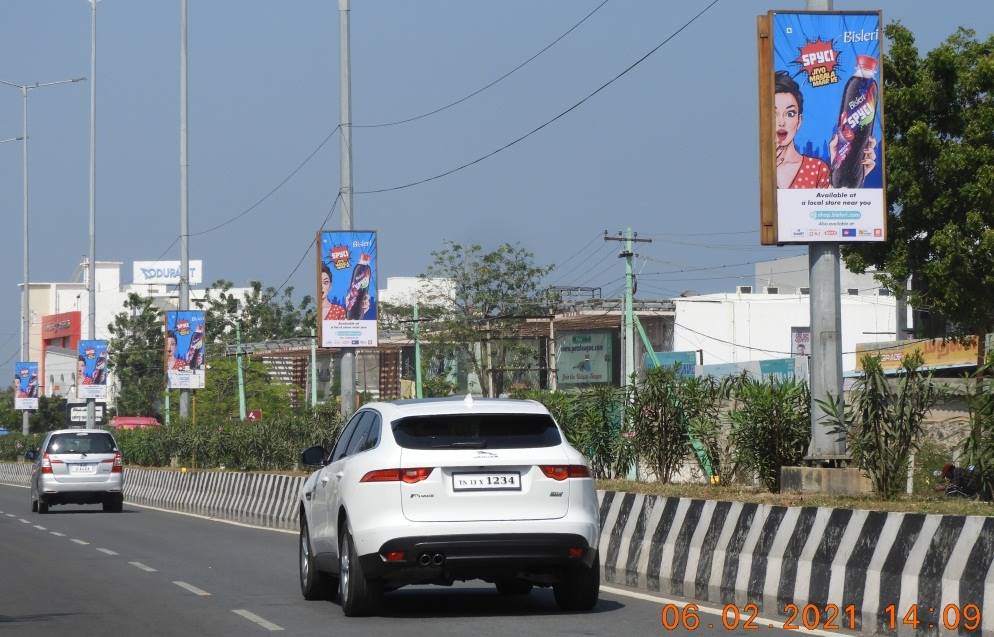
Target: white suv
{"x":433,"y":491}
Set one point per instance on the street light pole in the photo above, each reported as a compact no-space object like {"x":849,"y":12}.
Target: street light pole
{"x":345,"y":133}
{"x":91,"y":405}
{"x":184,"y":198}
{"x":25,"y":296}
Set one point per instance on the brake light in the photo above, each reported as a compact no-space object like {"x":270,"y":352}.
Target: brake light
{"x":394,"y":556}
{"x":561,"y":471}
{"x":118,"y":461}
{"x":409,"y":476}
{"x":46,"y":463}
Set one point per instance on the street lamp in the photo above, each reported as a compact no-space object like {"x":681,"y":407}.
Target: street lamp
{"x":25,"y":301}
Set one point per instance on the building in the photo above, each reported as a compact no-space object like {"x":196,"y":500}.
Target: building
{"x":790,"y":276}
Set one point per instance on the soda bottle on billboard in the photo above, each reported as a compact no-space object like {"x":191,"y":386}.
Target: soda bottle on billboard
{"x":856,"y":118}
{"x":195,"y":355}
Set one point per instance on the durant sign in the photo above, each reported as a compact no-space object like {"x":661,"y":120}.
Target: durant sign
{"x":165,"y":272}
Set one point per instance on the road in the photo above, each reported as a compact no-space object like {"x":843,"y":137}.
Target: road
{"x":80,"y":571}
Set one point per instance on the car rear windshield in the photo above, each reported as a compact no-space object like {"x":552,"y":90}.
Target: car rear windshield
{"x":476,"y":431}
{"x":81,"y":442}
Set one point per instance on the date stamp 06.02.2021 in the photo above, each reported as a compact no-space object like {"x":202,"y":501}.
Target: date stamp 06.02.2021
{"x":829,"y":617}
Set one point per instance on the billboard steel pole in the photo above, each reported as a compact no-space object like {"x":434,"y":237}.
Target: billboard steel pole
{"x":345,"y":132}
{"x":184,"y":199}
{"x":826,"y":330}
{"x":91,"y":405}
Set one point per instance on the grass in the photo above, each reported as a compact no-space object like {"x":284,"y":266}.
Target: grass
{"x":909,"y":504}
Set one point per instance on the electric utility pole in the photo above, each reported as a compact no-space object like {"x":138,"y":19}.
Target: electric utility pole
{"x":184,"y":195}
{"x":345,"y":133}
{"x":825,"y":298}
{"x":629,"y":323}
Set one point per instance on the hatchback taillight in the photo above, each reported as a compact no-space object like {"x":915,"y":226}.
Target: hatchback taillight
{"x":47,"y":462}
{"x":410,"y":476}
{"x":118,"y":461}
{"x":563,"y":471}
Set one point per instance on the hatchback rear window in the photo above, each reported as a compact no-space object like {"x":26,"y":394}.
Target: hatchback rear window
{"x":81,"y":442}
{"x":476,"y":431}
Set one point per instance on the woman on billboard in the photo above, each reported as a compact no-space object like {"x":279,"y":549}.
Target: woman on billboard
{"x":795,"y":170}
{"x":330,"y":311}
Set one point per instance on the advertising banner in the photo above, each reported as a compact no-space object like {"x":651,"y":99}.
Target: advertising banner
{"x":686,"y":360}
{"x":76,"y":412}
{"x":821,"y":127}
{"x":584,"y":358}
{"x":91,"y":370}
{"x":800,"y":341}
{"x":783,"y":368}
{"x":165,"y":272}
{"x":25,"y":386}
{"x":347,"y":288}
{"x":186,"y":349}
{"x":938,"y":353}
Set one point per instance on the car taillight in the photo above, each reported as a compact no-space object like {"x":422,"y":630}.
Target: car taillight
{"x":46,"y":463}
{"x":562,"y":471}
{"x":410,"y":476}
{"x":118,"y":461}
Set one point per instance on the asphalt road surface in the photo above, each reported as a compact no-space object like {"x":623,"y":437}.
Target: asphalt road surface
{"x":79,"y":571}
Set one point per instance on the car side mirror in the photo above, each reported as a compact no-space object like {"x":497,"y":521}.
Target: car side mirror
{"x":313,"y":456}
{"x":30,"y":455}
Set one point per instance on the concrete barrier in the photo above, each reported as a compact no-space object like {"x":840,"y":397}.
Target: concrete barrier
{"x":709,"y":551}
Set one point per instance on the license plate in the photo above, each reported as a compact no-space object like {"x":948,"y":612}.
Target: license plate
{"x":487,"y":481}
{"x":82,"y":468}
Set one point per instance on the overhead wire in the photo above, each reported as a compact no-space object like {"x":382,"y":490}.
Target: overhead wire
{"x":548,"y":122}
{"x":488,"y":85}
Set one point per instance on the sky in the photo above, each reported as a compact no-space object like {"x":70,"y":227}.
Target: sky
{"x":669,"y":150}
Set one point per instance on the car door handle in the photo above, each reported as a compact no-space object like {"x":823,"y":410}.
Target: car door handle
{"x":340,"y":474}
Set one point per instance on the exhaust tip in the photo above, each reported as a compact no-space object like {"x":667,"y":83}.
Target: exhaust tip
{"x":438,"y":559}
{"x":424,"y":559}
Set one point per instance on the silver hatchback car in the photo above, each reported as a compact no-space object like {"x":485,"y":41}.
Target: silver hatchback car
{"x":77,"y":466}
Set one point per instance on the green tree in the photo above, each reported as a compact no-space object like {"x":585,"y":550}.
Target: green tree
{"x":219,"y":397}
{"x":136,"y":351}
{"x":490,"y":294}
{"x":265,"y":313}
{"x":940,"y":179}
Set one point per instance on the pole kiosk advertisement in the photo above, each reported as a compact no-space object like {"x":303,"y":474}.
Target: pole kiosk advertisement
{"x":91,"y":370}
{"x":186,"y":351}
{"x":25,"y":386}
{"x":347,"y":292}
{"x":821,"y":147}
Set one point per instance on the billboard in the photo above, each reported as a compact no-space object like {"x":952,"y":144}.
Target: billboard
{"x":938,"y":353}
{"x":686,"y":360}
{"x":821,"y":127}
{"x":584,"y":358}
{"x":91,"y":370}
{"x":347,"y":288}
{"x":25,"y":385}
{"x":186,"y":349}
{"x":800,"y":341}
{"x":165,"y":272}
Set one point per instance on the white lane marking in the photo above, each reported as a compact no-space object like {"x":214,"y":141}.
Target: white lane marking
{"x":57,"y":534}
{"x":711,"y":610}
{"x":193,"y":589}
{"x":24,"y":521}
{"x":255,"y":619}
{"x":107,"y":551}
{"x":40,"y":527}
{"x":83,"y":542}
{"x":10,"y":515}
{"x":213,"y":519}
{"x":143,"y":567}
{"x":19,"y":486}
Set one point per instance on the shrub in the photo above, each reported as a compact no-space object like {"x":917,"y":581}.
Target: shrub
{"x":883,"y":425}
{"x":977,"y":447}
{"x":770,"y":426}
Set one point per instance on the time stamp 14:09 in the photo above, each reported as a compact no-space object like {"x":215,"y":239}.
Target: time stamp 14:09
{"x":828,"y":617}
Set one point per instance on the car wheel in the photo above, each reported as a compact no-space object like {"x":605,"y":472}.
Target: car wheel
{"x":359,"y":595}
{"x":580,"y":589}
{"x":513,"y":587}
{"x":42,"y":506}
{"x":313,"y":583}
{"x":114,"y":504}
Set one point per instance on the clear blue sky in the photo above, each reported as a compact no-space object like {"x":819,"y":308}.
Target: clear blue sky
{"x":670,"y":149}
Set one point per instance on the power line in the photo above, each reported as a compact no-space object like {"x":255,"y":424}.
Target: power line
{"x":262,"y":199}
{"x":547,"y":122}
{"x":310,"y":245}
{"x":489,"y":85}
{"x":577,"y":253}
